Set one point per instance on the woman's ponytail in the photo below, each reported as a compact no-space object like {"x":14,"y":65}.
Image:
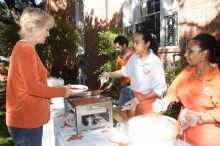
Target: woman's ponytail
{"x":154,"y":44}
{"x":208,"y":42}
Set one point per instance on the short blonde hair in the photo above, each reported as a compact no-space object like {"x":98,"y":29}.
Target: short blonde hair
{"x":34,"y":18}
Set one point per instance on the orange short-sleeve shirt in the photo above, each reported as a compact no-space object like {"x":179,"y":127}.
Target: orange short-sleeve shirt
{"x":122,"y":61}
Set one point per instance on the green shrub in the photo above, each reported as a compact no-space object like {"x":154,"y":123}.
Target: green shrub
{"x":8,"y":38}
{"x":2,"y":86}
{"x":5,"y":139}
{"x":61,"y":45}
{"x":174,"y":69}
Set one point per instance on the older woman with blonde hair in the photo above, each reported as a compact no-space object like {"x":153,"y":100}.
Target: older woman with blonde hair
{"x":27,"y":95}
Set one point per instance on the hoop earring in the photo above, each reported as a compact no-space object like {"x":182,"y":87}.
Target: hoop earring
{"x":202,"y":59}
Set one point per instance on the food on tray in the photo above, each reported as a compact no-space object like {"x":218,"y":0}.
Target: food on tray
{"x":86,"y":100}
{"x":85,"y":94}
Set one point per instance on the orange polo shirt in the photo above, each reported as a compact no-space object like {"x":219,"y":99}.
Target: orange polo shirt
{"x":200,"y":94}
{"x":122,"y":61}
{"x":27,"y":93}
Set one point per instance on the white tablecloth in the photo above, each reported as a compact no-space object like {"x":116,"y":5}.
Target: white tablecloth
{"x":56,"y":134}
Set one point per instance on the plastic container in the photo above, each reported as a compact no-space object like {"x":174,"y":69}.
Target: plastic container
{"x":153,"y":130}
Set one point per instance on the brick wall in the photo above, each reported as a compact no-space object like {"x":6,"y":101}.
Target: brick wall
{"x":99,"y":15}
{"x":198,"y":16}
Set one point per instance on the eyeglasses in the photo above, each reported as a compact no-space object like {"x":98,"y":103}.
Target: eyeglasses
{"x":189,"y":51}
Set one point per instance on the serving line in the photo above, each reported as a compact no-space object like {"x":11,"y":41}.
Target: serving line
{"x":58,"y":133}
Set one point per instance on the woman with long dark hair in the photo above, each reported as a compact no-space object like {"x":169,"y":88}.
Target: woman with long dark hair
{"x":146,"y":72}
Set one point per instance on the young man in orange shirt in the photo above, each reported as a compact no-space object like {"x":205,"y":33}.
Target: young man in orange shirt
{"x":124,"y":53}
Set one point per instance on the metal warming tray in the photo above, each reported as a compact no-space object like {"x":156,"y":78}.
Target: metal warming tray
{"x":89,"y":112}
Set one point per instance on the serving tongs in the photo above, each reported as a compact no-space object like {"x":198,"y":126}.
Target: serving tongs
{"x":103,"y":80}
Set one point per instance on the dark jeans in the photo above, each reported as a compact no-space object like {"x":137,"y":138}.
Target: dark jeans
{"x":125,"y":95}
{"x":26,"y":137}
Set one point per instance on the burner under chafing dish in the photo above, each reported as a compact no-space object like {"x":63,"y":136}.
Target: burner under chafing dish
{"x":88,"y":120}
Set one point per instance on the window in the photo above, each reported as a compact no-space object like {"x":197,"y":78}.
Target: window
{"x":149,"y":7}
{"x":150,"y":15}
{"x":79,"y":14}
{"x":171,"y":37}
{"x":128,"y":30}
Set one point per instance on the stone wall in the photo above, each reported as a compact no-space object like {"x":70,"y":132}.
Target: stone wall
{"x":198,"y":16}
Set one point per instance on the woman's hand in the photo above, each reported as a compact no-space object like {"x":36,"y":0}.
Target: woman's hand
{"x":189,"y":118}
{"x":68,"y":91}
{"x":160,"y":105}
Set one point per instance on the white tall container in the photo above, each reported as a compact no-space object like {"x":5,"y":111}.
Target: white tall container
{"x":154,"y":130}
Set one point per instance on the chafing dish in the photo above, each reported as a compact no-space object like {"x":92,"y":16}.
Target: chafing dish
{"x":90,"y":111}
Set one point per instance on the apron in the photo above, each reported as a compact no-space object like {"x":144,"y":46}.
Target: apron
{"x":145,"y":106}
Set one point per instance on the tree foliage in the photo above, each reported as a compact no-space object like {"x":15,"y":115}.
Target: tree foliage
{"x":62,"y":45}
{"x":8,"y":31}
{"x":18,"y":4}
{"x":10,"y":11}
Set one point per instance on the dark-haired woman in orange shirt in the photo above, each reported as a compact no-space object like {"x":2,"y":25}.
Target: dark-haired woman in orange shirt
{"x":198,"y":89}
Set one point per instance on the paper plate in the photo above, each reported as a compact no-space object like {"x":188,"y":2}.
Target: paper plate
{"x":78,"y":88}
